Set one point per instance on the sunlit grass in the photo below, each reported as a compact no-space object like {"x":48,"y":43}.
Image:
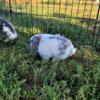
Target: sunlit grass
{"x":75,"y":9}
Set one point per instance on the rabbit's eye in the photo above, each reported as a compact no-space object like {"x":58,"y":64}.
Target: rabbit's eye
{"x":34,"y":39}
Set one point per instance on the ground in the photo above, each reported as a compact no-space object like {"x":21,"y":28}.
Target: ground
{"x":21,"y":76}
{"x":24,"y":77}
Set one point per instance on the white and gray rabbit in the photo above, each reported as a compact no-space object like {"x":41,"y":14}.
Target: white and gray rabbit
{"x":7,"y":30}
{"x":48,"y":46}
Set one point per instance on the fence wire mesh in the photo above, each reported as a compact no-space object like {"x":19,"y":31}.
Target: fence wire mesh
{"x":77,"y":19}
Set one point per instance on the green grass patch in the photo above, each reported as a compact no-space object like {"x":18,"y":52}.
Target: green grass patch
{"x":23,"y":77}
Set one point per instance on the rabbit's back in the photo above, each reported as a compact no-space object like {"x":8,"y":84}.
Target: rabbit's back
{"x":55,"y":46}
{"x":7,"y":30}
{"x":48,"y":47}
{"x":8,"y":25}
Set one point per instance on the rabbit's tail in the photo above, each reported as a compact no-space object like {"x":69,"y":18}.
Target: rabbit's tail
{"x":68,"y":53}
{"x":13,"y":36}
{"x":74,"y":51}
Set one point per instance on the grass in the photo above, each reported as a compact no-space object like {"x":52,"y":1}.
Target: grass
{"x":23,"y":77}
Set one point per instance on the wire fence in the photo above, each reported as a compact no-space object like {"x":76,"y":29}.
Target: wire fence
{"x":76,"y":19}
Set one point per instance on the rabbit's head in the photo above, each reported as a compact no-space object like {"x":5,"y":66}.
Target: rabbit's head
{"x":34,"y":42}
{"x":7,"y":31}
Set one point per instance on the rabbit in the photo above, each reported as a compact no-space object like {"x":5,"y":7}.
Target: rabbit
{"x":48,"y":46}
{"x":7,"y":30}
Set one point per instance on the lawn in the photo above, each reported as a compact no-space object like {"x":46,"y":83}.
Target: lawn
{"x":25,"y":78}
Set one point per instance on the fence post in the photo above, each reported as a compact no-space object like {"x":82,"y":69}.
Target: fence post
{"x":95,"y":25}
{"x":10,"y":7}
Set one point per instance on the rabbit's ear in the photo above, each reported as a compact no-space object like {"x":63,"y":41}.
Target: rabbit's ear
{"x":36,"y":41}
{"x":34,"y":46}
{"x":1,"y":25}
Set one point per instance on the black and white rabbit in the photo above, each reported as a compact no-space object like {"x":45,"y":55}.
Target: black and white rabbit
{"x":7,"y":30}
{"x":49,"y":46}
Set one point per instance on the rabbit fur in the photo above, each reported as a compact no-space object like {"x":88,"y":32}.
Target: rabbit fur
{"x":49,"y":46}
{"x":7,"y":30}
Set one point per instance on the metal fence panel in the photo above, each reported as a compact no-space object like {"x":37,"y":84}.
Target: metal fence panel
{"x":76,"y":19}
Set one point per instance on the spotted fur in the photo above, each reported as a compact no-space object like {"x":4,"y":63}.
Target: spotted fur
{"x":7,"y":30}
{"x":49,"y":46}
